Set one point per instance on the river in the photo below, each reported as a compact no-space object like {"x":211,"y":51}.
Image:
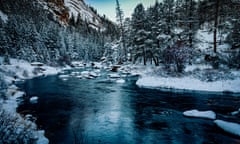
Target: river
{"x":75,"y":111}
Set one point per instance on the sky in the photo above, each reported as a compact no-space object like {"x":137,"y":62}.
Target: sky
{"x":108,"y":7}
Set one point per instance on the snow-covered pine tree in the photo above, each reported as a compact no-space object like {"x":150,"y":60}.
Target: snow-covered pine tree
{"x":153,"y":25}
{"x":187,"y":20}
{"x":120,"y":20}
{"x":139,"y":34}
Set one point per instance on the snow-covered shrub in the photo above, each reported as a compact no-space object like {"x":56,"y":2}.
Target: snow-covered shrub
{"x":15,"y":130}
{"x":25,"y":73}
{"x":234,"y":59}
{"x":6,"y":60}
{"x":213,"y":59}
{"x":177,"y":56}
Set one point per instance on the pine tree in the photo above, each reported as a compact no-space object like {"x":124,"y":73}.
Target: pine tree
{"x":139,"y":34}
{"x":120,"y":19}
{"x":187,"y":19}
{"x":210,"y":11}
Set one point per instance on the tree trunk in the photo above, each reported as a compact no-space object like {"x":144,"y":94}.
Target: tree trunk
{"x":190,"y":24}
{"x":144,"y":57}
{"x":215,"y":27}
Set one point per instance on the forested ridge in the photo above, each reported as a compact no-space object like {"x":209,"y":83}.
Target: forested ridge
{"x":165,"y":33}
{"x":34,"y":33}
{"x":168,"y":32}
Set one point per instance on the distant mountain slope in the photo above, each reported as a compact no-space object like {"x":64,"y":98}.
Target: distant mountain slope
{"x":63,"y":10}
{"x":53,"y":31}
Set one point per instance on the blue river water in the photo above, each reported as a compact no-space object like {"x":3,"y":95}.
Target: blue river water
{"x":76,"y":111}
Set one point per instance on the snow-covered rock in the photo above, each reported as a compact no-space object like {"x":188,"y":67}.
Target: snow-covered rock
{"x":230,"y":127}
{"x":120,"y":81}
{"x":114,"y":76}
{"x":236,"y":112}
{"x":97,"y":65}
{"x":78,"y":7}
{"x":33,"y":100}
{"x":77,"y":64}
{"x":85,"y":73}
{"x":79,"y":77}
{"x":41,"y":139}
{"x":93,"y":74}
{"x":63,"y":76}
{"x":75,"y":73}
{"x":200,"y":114}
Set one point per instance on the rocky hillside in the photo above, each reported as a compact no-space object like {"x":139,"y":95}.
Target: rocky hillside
{"x":64,"y":10}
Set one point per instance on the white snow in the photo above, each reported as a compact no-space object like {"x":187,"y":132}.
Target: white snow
{"x":24,"y":70}
{"x":33,"y":100}
{"x":93,"y":74}
{"x":189,"y":83}
{"x":41,"y":138}
{"x":77,"y":7}
{"x":98,"y":65}
{"x":120,"y":81}
{"x":77,"y":64}
{"x":11,"y":104}
{"x":19,"y":70}
{"x":236,"y":112}
{"x":206,"y":39}
{"x":63,"y":76}
{"x":114,"y":75}
{"x":200,"y":114}
{"x":190,"y":68}
{"x":3,"y":16}
{"x":37,"y":63}
{"x":230,"y":127}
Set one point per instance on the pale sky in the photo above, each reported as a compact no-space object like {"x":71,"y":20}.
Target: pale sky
{"x":108,"y":7}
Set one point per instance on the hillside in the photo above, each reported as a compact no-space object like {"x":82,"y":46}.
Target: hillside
{"x":53,"y":31}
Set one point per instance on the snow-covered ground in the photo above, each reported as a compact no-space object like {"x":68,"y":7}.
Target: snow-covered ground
{"x":19,"y":70}
{"x":10,"y":105}
{"x":189,"y":83}
{"x":195,"y":78}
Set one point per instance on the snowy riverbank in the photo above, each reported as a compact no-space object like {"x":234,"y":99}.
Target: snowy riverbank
{"x":189,"y":83}
{"x":228,"y":82}
{"x":20,"y":70}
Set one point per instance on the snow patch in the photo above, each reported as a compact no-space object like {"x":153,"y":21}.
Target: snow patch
{"x":200,"y":114}
{"x":230,"y":127}
{"x":3,"y":16}
{"x":190,"y":68}
{"x":236,"y":112}
{"x":77,"y":64}
{"x":33,"y":100}
{"x":24,"y":70}
{"x":11,"y":104}
{"x":120,"y":81}
{"x":63,"y":76}
{"x":41,"y":138}
{"x":189,"y":83}
{"x":114,"y":76}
